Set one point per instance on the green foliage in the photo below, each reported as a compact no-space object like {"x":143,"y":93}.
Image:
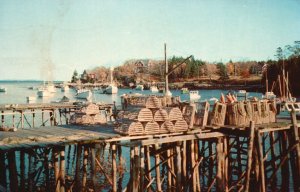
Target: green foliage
{"x":222,"y":71}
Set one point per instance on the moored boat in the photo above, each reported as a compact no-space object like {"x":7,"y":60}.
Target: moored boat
{"x":269,"y":95}
{"x":194,"y":95}
{"x":3,"y":89}
{"x":43,"y":93}
{"x":153,"y":89}
{"x":139,"y":87}
{"x":65,"y":88}
{"x":184,"y":90}
{"x":84,"y":94}
{"x":30,"y":98}
{"x":111,"y":89}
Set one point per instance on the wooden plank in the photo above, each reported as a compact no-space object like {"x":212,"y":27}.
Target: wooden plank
{"x":173,"y":139}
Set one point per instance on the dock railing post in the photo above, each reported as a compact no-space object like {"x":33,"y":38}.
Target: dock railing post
{"x":295,"y":136}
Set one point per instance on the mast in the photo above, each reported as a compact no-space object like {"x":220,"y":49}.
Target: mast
{"x":111,"y":75}
{"x":267,"y":83}
{"x":166,"y":73}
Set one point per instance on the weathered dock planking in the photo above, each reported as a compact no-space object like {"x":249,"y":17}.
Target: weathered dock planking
{"x":248,"y":157}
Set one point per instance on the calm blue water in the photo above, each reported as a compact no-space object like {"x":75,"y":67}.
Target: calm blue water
{"x":18,"y":91}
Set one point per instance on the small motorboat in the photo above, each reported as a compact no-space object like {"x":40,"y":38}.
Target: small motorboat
{"x":269,"y":95}
{"x":43,"y":92}
{"x":184,"y":90}
{"x":3,"y":89}
{"x":139,"y":87}
{"x":111,"y":89}
{"x":153,"y":89}
{"x":194,"y":95}
{"x":84,"y":94}
{"x":65,"y":88}
{"x":30,"y":98}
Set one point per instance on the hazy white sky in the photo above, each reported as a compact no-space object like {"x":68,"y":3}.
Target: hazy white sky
{"x":42,"y":39}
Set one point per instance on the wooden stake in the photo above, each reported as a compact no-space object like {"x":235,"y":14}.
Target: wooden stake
{"x":62,"y":170}
{"x":261,"y":162}
{"x":22,"y":171}
{"x":285,"y":168}
{"x":178,"y":174}
{"x":56,"y":169}
{"x":77,"y":170}
{"x":148,"y":165}
{"x":114,"y":168}
{"x":157,"y":162}
{"x":250,"y":152}
{"x":13,"y":175}
{"x":296,"y":140}
{"x":142,"y":167}
{"x":93,"y":166}
{"x":169,"y":171}
{"x":84,"y":171}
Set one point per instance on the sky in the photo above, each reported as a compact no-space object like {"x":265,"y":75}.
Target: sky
{"x":49,"y":39}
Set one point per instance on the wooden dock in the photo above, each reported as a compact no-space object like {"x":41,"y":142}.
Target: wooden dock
{"x":255,"y":157}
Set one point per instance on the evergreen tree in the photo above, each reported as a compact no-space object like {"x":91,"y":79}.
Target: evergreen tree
{"x":74,"y":76}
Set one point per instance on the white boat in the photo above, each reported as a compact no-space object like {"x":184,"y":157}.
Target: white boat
{"x":111,"y":89}
{"x":194,"y":95}
{"x":153,"y":89}
{"x":51,"y":88}
{"x":84,"y":94}
{"x":139,"y":87}
{"x":65,"y":88}
{"x":3,"y":89}
{"x":269,"y":95}
{"x":30,"y":98}
{"x":43,"y":92}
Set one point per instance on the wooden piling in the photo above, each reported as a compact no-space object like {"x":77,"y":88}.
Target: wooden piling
{"x":285,"y":173}
{"x":46,"y":171}
{"x":157,"y":170}
{"x":178,"y":166}
{"x":2,"y":169}
{"x":13,"y":175}
{"x":56,"y":169}
{"x":114,"y":167}
{"x":169,"y":175}
{"x":30,"y":171}
{"x":93,"y":165}
{"x":142,"y":168}
{"x":148,"y":165}
{"x":33,"y":118}
{"x":22,"y":171}
{"x":135,"y":170}
{"x":84,"y":169}
{"x":296,"y":140}
{"x":250,"y":152}
{"x":62,"y":170}
{"x":260,"y":161}
{"x":78,"y":165}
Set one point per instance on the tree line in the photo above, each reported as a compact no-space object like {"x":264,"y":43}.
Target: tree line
{"x":288,"y":58}
{"x":195,"y":69}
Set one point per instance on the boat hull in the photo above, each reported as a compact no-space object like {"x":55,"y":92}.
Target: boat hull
{"x":111,"y":90}
{"x":84,"y":94}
